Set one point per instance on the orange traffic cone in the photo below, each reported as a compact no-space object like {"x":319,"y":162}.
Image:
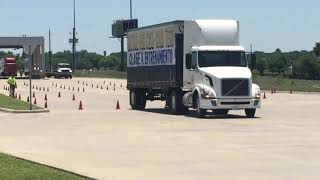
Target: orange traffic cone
{"x":35,"y":101}
{"x":118,"y":105}
{"x":46,"y":105}
{"x":80,"y":106}
{"x":45,"y":97}
{"x":73,"y":98}
{"x":59,"y":95}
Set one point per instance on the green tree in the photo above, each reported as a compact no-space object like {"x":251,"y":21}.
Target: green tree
{"x":316,"y":49}
{"x":261,"y":65}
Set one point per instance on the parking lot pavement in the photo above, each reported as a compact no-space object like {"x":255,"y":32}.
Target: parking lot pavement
{"x":283,"y":142}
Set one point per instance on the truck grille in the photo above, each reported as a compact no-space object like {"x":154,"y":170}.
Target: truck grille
{"x":65,"y":71}
{"x":235,"y":87}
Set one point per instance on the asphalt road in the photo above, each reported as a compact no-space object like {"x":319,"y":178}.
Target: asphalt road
{"x":283,"y":142}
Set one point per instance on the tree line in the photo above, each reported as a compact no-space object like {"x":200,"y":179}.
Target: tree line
{"x":295,"y":64}
{"x":86,"y":60}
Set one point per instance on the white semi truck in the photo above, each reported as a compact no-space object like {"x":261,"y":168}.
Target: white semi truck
{"x":191,"y":64}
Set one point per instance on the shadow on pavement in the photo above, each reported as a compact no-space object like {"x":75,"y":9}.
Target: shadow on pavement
{"x":192,"y":114}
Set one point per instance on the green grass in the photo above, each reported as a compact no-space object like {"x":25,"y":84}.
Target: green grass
{"x":101,"y":74}
{"x":11,"y":103}
{"x":12,"y":168}
{"x":286,"y":84}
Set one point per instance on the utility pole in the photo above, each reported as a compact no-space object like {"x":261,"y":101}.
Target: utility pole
{"x":74,"y":38}
{"x":30,"y":76}
{"x":130,"y":9}
{"x":50,"y":53}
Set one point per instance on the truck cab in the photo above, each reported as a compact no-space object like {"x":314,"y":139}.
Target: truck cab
{"x":63,"y":70}
{"x":220,"y":80}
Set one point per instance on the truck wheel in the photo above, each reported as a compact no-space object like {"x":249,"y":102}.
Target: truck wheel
{"x":201,"y":113}
{"x":141,"y":98}
{"x":133,"y":99}
{"x":176,"y":105}
{"x":137,"y":99}
{"x":250,"y":113}
{"x":220,"y":111}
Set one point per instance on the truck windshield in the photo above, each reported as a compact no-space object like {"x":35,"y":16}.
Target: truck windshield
{"x":64,"y":66}
{"x":222,"y":58}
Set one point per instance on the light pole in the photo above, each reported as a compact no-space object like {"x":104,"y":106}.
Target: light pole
{"x":74,"y":38}
{"x":130,"y":9}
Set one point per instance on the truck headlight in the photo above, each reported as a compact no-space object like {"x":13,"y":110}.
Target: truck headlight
{"x":59,"y":70}
{"x":207,"y":93}
{"x":70,"y":71}
{"x":256,"y":91}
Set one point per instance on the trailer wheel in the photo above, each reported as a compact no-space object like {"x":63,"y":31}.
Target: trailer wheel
{"x":137,"y":99}
{"x":250,"y":113}
{"x":176,"y":105}
{"x":201,"y":113}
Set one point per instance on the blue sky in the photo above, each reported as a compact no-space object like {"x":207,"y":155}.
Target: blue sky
{"x":269,"y":24}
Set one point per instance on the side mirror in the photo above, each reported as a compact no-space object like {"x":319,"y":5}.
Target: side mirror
{"x":188,"y":61}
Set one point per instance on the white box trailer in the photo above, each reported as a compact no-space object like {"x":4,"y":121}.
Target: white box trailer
{"x":191,"y":64}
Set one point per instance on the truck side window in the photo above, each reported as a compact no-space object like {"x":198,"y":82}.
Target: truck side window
{"x":194,"y":61}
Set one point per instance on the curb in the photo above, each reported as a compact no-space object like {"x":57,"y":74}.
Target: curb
{"x":24,"y":111}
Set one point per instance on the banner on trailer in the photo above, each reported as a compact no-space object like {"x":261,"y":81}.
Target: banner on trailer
{"x":154,"y":57}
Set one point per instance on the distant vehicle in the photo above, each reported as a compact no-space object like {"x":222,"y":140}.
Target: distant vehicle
{"x":191,"y":64}
{"x":62,"y":70}
{"x":8,"y":66}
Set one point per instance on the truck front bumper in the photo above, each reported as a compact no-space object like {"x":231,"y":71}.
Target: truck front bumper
{"x":230,"y":104}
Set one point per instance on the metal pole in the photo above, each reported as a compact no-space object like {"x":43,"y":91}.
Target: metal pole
{"x":122,"y":54}
{"x":74,"y":38}
{"x":30,"y":76}
{"x":130,"y":9}
{"x":50,"y":53}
